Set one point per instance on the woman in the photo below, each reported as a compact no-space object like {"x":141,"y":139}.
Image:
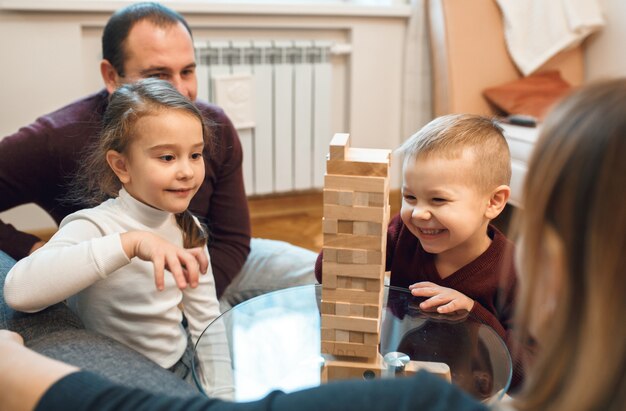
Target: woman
{"x":572,"y":262}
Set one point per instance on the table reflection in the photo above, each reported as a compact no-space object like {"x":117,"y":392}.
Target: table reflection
{"x":272,"y":342}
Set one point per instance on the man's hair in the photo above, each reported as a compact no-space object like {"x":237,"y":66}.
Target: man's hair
{"x":450,"y":135}
{"x":122,"y":21}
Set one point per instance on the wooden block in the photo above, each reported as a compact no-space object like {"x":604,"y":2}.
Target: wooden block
{"x":339,"y":146}
{"x":344,"y":282}
{"x":341,"y":368}
{"x":371,"y":338}
{"x":369,"y":228}
{"x":372,"y":285}
{"x":356,"y":168}
{"x":369,"y":155}
{"x":355,"y":310}
{"x":342,"y":336}
{"x":356,"y":337}
{"x":328,"y":334}
{"x":342,"y":308}
{"x":338,"y":322}
{"x":344,"y":226}
{"x":353,"y":297}
{"x":330,"y":280}
{"x":361,"y":199}
{"x":345,"y":198}
{"x":349,"y":349}
{"x":355,"y":241}
{"x":359,"y":284}
{"x":330,"y":254}
{"x":376,"y":200}
{"x":330,"y":226}
{"x":327,"y":307}
{"x":438,"y":368}
{"x":331,"y":196}
{"x":371,"y":311}
{"x":373,"y":271}
{"x":350,"y":256}
{"x":339,"y":212}
{"x":356,"y":183}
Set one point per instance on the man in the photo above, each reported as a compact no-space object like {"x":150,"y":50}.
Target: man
{"x":38,"y":162}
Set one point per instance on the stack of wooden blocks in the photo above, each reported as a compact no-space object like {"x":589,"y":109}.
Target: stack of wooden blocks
{"x":356,"y":214}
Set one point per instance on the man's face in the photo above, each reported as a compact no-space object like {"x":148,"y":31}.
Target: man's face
{"x":162,"y":52}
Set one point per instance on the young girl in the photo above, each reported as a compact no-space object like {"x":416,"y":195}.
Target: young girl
{"x":106,"y":260}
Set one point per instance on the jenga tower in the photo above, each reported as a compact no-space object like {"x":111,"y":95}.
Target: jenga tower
{"x":356,"y":214}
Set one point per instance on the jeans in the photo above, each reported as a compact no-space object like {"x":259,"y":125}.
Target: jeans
{"x":271,"y":265}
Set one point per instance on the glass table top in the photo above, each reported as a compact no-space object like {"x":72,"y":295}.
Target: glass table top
{"x":272,"y":342}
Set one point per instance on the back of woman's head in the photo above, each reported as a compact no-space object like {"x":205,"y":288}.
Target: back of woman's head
{"x":573,"y":241}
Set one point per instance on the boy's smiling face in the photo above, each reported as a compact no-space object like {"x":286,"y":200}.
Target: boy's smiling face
{"x":444,"y":206}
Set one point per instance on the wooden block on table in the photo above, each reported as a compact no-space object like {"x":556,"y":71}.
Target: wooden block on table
{"x":345,"y":198}
{"x":371,"y":271}
{"x":438,"y":368}
{"x":338,"y":322}
{"x":351,"y":283}
{"x":356,"y":241}
{"x":341,"y":212}
{"x":356,"y":183}
{"x":355,"y":310}
{"x":376,"y":200}
{"x":351,"y":256}
{"x":341,"y":368}
{"x":339,"y":146}
{"x":349,"y":349}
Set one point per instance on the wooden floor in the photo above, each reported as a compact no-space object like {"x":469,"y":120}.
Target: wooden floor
{"x":297,"y":218}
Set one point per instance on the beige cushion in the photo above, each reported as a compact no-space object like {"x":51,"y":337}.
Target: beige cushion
{"x":532,"y":95}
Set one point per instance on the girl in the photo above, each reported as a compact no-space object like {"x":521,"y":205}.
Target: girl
{"x":106,"y":260}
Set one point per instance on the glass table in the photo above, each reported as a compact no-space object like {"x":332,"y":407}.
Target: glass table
{"x":272,"y":342}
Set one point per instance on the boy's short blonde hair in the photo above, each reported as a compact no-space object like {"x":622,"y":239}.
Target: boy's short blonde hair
{"x":448,"y":136}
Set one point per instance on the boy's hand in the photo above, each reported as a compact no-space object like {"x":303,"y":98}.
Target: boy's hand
{"x":443,"y":300}
{"x":184,"y":264}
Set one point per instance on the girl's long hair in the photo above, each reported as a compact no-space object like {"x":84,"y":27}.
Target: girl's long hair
{"x":575,"y":203}
{"x":95,"y":181}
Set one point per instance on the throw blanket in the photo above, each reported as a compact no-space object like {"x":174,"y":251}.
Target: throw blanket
{"x":536,"y":30}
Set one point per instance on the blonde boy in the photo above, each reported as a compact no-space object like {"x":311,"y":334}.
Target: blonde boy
{"x":456,"y":172}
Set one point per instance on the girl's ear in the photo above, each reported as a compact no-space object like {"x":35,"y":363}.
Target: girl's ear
{"x":119,"y":165}
{"x":497,"y":201}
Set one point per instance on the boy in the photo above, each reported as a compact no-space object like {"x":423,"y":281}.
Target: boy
{"x":456,"y":172}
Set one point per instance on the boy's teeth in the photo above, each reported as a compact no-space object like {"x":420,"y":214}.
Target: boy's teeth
{"x":430,"y":232}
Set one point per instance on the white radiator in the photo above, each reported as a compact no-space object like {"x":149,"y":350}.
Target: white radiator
{"x":278,"y":95}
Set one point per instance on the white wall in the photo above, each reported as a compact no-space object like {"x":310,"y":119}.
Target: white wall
{"x":50,"y":54}
{"x":604,"y":52}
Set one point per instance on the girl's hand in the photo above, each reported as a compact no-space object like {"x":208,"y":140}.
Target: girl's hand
{"x":184,"y":264}
{"x":444,"y":300}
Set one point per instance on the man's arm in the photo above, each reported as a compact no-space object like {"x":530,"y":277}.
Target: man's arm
{"x":228,"y":216}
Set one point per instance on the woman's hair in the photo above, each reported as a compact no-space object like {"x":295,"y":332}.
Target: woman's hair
{"x":575,"y":203}
{"x":122,"y":21}
{"x":448,"y":136}
{"x":95,"y":181}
